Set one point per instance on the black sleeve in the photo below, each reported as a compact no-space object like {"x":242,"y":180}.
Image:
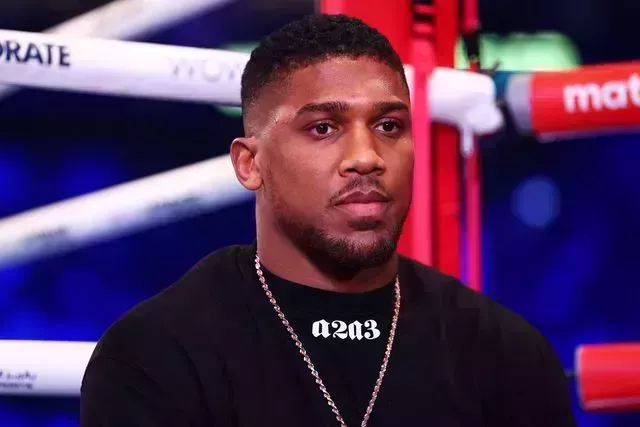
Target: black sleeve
{"x":139,"y":376}
{"x":531,"y":388}
{"x":115,"y":394}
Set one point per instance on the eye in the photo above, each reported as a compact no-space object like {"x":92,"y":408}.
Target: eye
{"x":322,"y":129}
{"x":389,"y":126}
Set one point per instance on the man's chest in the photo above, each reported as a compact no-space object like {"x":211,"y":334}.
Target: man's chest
{"x":348,"y":353}
{"x":424,"y":383}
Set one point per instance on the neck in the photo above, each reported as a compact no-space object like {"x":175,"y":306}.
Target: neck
{"x":281,"y":257}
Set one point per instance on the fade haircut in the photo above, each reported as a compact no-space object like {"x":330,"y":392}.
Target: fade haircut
{"x":308,"y":41}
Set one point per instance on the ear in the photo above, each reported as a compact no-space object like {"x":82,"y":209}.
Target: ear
{"x":243,"y":157}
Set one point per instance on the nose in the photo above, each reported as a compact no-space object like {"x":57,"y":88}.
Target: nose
{"x":361,"y":153}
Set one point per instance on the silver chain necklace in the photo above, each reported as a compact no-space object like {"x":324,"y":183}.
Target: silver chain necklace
{"x":307,"y":359}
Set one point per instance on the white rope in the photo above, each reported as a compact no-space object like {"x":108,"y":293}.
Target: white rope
{"x":198,"y":75}
{"x":120,"y":68}
{"x":126,"y":19}
{"x":43,"y":368}
{"x":120,"y":210}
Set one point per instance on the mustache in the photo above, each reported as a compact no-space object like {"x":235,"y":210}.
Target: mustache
{"x":364,"y":184}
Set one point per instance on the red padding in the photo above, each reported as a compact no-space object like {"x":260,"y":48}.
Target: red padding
{"x":608,"y":377}
{"x":591,"y":99}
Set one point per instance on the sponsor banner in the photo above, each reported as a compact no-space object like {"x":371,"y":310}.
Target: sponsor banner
{"x":120,"y":68}
{"x":590,"y":99}
{"x":120,"y":210}
{"x":43,"y":368}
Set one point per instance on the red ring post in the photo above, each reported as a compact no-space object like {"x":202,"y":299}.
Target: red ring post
{"x":472,"y":166}
{"x":446,"y":159}
{"x":391,"y":17}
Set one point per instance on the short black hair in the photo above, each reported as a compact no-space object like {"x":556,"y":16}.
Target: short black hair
{"x":311,"y":40}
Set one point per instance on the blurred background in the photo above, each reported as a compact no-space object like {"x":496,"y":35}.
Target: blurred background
{"x":560,"y":220}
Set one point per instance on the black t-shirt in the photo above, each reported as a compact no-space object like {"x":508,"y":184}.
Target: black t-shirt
{"x":211,"y":351}
{"x":345,"y":336}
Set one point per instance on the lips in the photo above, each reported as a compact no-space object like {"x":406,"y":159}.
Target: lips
{"x":364,"y":204}
{"x":359,"y":197}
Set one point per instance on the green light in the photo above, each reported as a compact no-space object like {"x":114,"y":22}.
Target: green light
{"x":545,"y":51}
{"x":235,"y":112}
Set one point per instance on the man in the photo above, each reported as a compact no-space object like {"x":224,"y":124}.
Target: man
{"x":320,"y":322}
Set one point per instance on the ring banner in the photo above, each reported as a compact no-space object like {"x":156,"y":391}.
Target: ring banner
{"x":594,"y":99}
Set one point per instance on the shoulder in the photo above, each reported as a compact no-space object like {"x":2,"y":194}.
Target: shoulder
{"x":495,"y":346}
{"x":170,"y":317}
{"x":461,"y":307}
{"x":155,"y":351}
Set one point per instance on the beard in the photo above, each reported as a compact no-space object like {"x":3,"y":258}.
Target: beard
{"x":369,"y":244}
{"x":343,"y":255}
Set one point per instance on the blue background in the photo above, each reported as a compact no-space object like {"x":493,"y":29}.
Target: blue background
{"x":560,"y":220}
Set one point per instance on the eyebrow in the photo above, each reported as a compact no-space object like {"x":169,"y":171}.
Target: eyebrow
{"x":379,"y":108}
{"x":323,"y":107}
{"x":382,"y":108}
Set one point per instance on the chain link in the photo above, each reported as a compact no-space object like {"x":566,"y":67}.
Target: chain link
{"x":307,"y":359}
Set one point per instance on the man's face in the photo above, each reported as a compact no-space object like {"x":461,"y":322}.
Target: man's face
{"x":336,"y":161}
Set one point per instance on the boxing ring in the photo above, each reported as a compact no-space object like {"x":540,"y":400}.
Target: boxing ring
{"x":554,"y":106}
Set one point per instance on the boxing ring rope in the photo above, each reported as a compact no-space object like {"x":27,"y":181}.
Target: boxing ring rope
{"x":120,"y":210}
{"x":125,"y":19}
{"x":43,"y":368}
{"x":463,"y":99}
{"x":145,"y":70}
{"x":120,"y":68}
